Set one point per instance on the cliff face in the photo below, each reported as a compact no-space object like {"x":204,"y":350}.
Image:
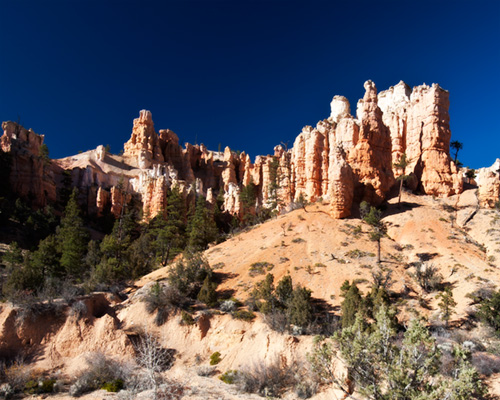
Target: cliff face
{"x":31,"y":174}
{"x":343,"y":159}
{"x":418,"y":122}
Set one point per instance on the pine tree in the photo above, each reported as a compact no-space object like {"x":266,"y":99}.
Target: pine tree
{"x":248,"y":197}
{"x":447,"y":304}
{"x":284,"y":290}
{"x":208,"y":294}
{"x":72,"y":238}
{"x":201,"y":228}
{"x":46,"y":258}
{"x":274,"y":183}
{"x":489,"y":311}
{"x":385,"y":368}
{"x":351,"y":304}
{"x":115,"y":262}
{"x":170,"y":231}
{"x":299,"y":311}
{"x":457,"y":146}
{"x":374,"y":219}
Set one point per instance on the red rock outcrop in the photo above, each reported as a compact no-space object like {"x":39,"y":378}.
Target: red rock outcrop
{"x":31,"y":173}
{"x":119,"y":199}
{"x":341,"y":184}
{"x":144,"y":145}
{"x":342,"y":159}
{"x":418,"y":121}
{"x":371,"y":158}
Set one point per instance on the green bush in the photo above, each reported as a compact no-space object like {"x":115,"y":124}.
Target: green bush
{"x":215,"y":358}
{"x":208,"y":294}
{"x":260,"y":268}
{"x":114,"y":386}
{"x":188,"y":275}
{"x":244,"y":315}
{"x":229,"y":376}
{"x":186,"y":318}
{"x":162,"y":299}
{"x":489,"y":311}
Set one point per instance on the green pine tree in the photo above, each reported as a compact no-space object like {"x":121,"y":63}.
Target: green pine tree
{"x":72,"y":238}
{"x":374,"y":219}
{"x":170,"y":230}
{"x":351,"y":304}
{"x":208,"y":293}
{"x":299,"y":311}
{"x":447,"y":304}
{"x":202,"y":229}
{"x":46,"y":259}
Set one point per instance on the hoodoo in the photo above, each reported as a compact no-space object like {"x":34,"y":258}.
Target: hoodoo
{"x":344,"y":159}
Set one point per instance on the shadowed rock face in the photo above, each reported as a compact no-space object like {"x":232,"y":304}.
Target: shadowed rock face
{"x":31,"y":175}
{"x":342,"y":159}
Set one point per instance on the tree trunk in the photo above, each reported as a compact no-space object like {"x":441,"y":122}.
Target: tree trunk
{"x":378,"y":252}
{"x":400,"y":189}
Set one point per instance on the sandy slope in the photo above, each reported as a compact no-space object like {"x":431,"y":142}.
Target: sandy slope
{"x":320,"y":253}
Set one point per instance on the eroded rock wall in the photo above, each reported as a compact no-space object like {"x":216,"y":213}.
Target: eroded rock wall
{"x":343,"y":159}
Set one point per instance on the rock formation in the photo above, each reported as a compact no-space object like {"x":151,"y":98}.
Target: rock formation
{"x":343,"y":159}
{"x":143,"y":148}
{"x":31,"y":175}
{"x":488,"y":180}
{"x":418,"y":122}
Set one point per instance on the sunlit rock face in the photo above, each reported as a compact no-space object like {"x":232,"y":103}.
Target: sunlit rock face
{"x":343,"y":159}
{"x":371,"y":158}
{"x":488,"y":180}
{"x":418,"y":122}
{"x":143,"y":148}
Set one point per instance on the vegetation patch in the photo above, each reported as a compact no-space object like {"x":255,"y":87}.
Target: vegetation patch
{"x":215,"y":358}
{"x":260,"y":268}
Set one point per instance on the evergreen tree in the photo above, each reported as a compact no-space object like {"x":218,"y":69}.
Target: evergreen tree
{"x":351,"y":304}
{"x":45,"y":260}
{"x":274,"y":183}
{"x":115,"y":261}
{"x":457,"y":146}
{"x":489,"y":311}
{"x":72,"y":238}
{"x":13,"y":257}
{"x":248,"y":197}
{"x":201,"y":228}
{"x":447,"y":304}
{"x":21,"y":277}
{"x":299,"y":311}
{"x":284,"y":290}
{"x":188,"y":274}
{"x":208,"y":294}
{"x":383,"y":369}
{"x":141,"y":255}
{"x":374,"y":219}
{"x":170,"y":231}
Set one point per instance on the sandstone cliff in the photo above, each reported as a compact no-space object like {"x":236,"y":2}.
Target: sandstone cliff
{"x":31,"y":175}
{"x":343,"y":160}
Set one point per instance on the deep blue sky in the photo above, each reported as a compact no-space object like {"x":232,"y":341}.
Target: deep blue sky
{"x":247,"y":74}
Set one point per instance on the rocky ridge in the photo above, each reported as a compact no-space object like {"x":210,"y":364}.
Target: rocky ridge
{"x":344,"y":159}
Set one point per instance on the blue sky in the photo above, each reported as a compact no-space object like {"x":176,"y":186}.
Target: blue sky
{"x":247,"y":74}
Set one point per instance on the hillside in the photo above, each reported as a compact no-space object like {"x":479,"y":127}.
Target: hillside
{"x":318,"y":252}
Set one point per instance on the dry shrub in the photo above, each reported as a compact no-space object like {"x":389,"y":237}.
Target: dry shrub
{"x":17,"y":375}
{"x":486,"y":364}
{"x":100,"y":370}
{"x":271,"y":379}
